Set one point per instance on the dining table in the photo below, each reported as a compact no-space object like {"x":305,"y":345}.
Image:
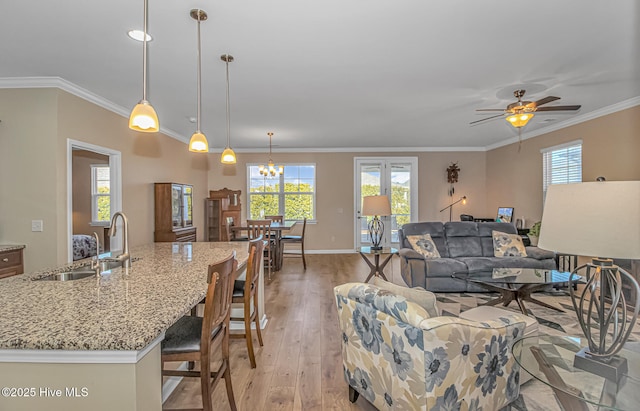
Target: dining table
{"x":277,"y":228}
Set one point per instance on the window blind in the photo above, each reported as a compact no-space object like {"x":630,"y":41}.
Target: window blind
{"x":562,"y":165}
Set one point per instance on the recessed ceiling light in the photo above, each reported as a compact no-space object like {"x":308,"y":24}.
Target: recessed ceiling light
{"x":138,"y":35}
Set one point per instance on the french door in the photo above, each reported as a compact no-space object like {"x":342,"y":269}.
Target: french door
{"x":396,"y":177}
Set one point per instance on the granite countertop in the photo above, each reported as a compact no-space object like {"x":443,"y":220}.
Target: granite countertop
{"x":11,"y":247}
{"x":119,"y":310}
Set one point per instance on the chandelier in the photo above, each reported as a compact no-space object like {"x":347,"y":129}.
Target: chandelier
{"x":271,"y":169}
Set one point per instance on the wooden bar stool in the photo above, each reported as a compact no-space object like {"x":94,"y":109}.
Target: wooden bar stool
{"x":296,"y":239}
{"x":246,"y":292}
{"x":194,"y":338}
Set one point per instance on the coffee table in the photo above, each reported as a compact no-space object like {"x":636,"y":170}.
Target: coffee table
{"x":550,"y":360}
{"x":517,"y":284}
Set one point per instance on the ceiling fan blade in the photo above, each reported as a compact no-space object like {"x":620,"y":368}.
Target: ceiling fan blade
{"x":490,"y":109}
{"x":559,"y":108}
{"x":542,"y":101}
{"x":485,"y":119}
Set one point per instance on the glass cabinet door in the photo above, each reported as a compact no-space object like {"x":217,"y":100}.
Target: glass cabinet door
{"x":176,"y":205}
{"x":187,"y":205}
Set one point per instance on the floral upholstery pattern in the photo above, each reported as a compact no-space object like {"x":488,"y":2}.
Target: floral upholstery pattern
{"x":507,"y":245}
{"x":400,"y":359}
{"x":84,"y":246}
{"x":424,"y":244}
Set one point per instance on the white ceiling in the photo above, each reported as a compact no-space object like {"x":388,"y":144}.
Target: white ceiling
{"x":337,"y":74}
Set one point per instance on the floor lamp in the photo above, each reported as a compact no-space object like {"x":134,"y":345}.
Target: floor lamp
{"x":598,"y":219}
{"x":450,"y":206}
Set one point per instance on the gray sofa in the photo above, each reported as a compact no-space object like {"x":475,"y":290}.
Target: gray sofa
{"x":464,"y":247}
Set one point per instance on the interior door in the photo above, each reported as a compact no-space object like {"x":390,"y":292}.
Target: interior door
{"x":396,"y":177}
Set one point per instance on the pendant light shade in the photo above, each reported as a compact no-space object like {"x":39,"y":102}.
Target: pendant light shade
{"x":228,"y":156}
{"x":143,"y":117}
{"x":198,"y":142}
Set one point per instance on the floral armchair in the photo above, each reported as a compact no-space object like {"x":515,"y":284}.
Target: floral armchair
{"x":399,"y":358}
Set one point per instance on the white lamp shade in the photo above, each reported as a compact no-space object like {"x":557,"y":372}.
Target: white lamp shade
{"x":376,"y":205}
{"x":596,"y":219}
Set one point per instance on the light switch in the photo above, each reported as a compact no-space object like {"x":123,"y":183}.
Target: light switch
{"x":37,"y":225}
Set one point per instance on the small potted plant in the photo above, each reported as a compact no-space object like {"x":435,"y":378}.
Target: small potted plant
{"x":534,"y":233}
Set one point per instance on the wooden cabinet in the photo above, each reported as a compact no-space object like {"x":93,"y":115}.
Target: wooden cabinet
{"x":11,"y":262}
{"x":220,"y":205}
{"x":173,"y":212}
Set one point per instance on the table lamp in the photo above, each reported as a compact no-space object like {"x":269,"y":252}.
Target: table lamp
{"x":598,"y":219}
{"x":376,"y":206}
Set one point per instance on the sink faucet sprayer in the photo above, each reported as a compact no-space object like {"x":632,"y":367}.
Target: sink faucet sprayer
{"x":125,"y":257}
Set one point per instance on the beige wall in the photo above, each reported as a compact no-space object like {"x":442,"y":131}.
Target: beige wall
{"x":611,"y":148}
{"x":335,"y":181}
{"x":37,"y":189}
{"x":81,"y":183}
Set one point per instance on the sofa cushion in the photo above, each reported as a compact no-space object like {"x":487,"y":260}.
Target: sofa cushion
{"x":508,"y":245}
{"x":445,"y":267}
{"x":539,"y":253}
{"x":425,"y":299}
{"x":424,"y":244}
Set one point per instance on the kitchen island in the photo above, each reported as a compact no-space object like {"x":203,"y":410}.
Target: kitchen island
{"x":94,"y":343}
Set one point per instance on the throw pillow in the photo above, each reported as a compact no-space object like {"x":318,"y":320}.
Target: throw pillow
{"x":508,"y":245}
{"x":424,"y":245}
{"x":425,"y":299}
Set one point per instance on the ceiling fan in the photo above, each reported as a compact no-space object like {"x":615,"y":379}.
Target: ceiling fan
{"x":519,"y":113}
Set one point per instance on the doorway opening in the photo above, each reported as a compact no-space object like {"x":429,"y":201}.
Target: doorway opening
{"x":396,"y":177}
{"x":94,"y":192}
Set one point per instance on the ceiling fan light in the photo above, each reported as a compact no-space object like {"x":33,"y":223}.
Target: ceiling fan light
{"x":228,"y":156}
{"x":144,"y":118}
{"x":519,"y":120}
{"x":198,"y":143}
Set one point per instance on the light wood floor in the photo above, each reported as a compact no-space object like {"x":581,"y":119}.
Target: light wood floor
{"x":300,"y":365}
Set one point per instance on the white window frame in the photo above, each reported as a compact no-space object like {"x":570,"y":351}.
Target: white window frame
{"x":565,"y":173}
{"x":95,"y":195}
{"x":282,"y":194}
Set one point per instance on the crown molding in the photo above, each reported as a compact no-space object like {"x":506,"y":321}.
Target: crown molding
{"x":623,"y":105}
{"x":64,"y":85}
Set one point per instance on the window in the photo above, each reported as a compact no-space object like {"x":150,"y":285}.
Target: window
{"x":292,"y":194}
{"x":100,"y":194}
{"x":561,"y":164}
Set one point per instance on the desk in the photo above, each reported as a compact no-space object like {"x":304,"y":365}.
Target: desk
{"x":376,"y":267}
{"x":277,"y":229}
{"x":575,"y":387}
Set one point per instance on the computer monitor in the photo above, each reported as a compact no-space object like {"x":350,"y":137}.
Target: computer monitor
{"x":505,"y":215}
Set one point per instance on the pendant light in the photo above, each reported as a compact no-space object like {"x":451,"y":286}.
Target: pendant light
{"x":228,"y":156}
{"x":271,"y":169}
{"x":198,"y":143}
{"x":143,"y":117}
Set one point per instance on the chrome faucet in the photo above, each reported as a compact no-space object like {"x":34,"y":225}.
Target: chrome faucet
{"x":124,"y":257}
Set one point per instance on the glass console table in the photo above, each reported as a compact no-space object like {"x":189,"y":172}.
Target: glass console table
{"x":550,"y":360}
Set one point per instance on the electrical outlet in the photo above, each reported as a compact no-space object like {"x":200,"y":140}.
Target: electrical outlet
{"x":37,"y":226}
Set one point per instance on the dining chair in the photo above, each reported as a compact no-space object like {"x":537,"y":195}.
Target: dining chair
{"x":296,"y":239}
{"x":232,"y":235}
{"x":275,"y":218}
{"x":195,"y":338}
{"x":257,"y":228}
{"x":246,"y":292}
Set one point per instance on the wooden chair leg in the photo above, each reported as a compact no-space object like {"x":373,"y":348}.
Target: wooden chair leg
{"x":257,"y":319}
{"x":249,"y":338}
{"x":304,"y":261}
{"x":205,"y":384}
{"x":227,"y":382}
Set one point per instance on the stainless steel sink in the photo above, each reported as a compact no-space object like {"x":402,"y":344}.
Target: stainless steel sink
{"x":69,"y":275}
{"x":106,"y":265}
